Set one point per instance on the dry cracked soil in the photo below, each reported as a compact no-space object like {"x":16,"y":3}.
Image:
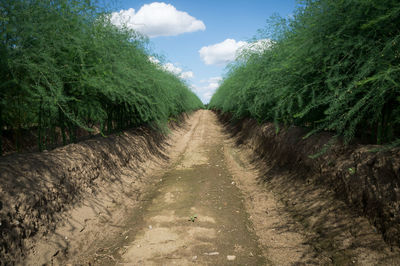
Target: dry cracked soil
{"x":206,"y":206}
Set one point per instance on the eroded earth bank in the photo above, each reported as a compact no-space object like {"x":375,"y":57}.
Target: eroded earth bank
{"x":194,"y":197}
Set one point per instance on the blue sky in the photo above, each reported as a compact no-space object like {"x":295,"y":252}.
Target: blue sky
{"x":220,"y":26}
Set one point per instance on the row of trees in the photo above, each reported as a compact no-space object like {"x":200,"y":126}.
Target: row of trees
{"x":64,"y":66}
{"x":335,"y":65}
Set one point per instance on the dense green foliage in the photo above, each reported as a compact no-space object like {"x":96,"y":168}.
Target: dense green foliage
{"x":334,"y":66}
{"x":64,"y":66}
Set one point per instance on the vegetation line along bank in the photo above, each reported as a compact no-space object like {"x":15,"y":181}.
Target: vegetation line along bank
{"x":65,"y":67}
{"x":334,"y":65}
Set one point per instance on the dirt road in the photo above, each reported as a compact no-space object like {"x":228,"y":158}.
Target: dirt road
{"x":206,"y":207}
{"x":195,"y":214}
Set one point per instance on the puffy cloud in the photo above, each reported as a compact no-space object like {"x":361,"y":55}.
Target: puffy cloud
{"x":210,"y":87}
{"x":154,"y":60}
{"x":172,"y":68}
{"x":227,"y":51}
{"x":175,"y":70}
{"x":221,"y":53}
{"x":157,"y":19}
{"x":187,"y":75}
{"x":211,"y":84}
{"x":207,"y":96}
{"x":207,"y":90}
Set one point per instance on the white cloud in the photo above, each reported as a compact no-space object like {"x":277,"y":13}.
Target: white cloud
{"x":187,"y":75}
{"x":176,"y":70}
{"x":157,"y":19}
{"x":211,"y":84}
{"x":227,"y":51}
{"x":172,"y":68}
{"x":154,"y":60}
{"x":206,"y":91}
{"x":207,"y":96}
{"x":221,"y":53}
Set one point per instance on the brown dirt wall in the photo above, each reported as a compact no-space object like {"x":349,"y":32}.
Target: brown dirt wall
{"x":369,"y":182}
{"x":37,"y":188}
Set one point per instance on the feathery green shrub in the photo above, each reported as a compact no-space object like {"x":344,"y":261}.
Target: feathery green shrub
{"x":335,"y":66}
{"x":64,"y":66}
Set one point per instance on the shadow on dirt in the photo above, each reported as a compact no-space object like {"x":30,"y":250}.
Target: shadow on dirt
{"x":317,"y":193}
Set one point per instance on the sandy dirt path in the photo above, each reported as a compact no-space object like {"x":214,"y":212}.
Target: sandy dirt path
{"x":194,"y":215}
{"x":206,"y":207}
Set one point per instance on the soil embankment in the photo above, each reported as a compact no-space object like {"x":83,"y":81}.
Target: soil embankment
{"x":369,"y":182}
{"x":94,"y":177}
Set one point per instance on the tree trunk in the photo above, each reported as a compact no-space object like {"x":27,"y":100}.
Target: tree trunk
{"x":1,"y":130}
{"x":61,"y":122}
{"x":40,"y":143}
